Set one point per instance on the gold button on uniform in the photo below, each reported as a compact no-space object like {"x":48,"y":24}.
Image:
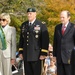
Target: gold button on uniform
{"x":27,"y":40}
{"x":27,"y":44}
{"x":27,"y":32}
{"x":27,"y":36}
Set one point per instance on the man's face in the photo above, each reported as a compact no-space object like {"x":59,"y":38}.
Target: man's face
{"x":64,"y":17}
{"x":31,"y":16}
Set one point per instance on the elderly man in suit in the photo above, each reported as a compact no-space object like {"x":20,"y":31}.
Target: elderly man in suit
{"x":34,"y":41}
{"x":64,"y":42}
{"x":7,"y":55}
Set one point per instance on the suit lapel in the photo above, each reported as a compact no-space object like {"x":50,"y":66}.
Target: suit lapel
{"x":6,"y":29}
{"x":59,"y":30}
{"x":67,"y":29}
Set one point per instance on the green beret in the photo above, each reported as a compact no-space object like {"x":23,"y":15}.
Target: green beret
{"x":31,"y":10}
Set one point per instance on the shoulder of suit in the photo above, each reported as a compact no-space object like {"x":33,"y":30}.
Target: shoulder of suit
{"x":73,"y":25}
{"x":40,"y":22}
{"x":24,"y":23}
{"x":12,"y":28}
{"x":59,"y":25}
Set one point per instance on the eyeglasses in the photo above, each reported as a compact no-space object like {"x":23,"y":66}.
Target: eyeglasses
{"x":2,"y":19}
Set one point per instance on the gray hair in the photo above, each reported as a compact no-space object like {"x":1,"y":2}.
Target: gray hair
{"x":68,"y":13}
{"x":5,"y":16}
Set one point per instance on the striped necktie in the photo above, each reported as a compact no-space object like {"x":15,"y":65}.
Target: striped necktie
{"x":63,"y":29}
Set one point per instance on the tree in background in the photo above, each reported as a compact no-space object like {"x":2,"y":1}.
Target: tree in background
{"x":48,"y":11}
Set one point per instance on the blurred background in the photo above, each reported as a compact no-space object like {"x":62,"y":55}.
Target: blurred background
{"x":47,"y":11}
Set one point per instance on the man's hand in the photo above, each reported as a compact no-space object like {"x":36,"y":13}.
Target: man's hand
{"x":42,"y":57}
{"x":13,"y":61}
{"x":21,"y":56}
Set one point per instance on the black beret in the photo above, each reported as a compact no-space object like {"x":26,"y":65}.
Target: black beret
{"x":31,"y":10}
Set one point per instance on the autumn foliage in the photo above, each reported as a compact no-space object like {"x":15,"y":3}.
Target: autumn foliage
{"x":47,"y":11}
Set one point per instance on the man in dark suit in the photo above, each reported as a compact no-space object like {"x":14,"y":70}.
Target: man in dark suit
{"x":64,"y":42}
{"x":34,"y":41}
{"x":73,"y":61}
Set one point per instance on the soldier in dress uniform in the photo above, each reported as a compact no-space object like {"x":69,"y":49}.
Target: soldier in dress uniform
{"x":34,"y":41}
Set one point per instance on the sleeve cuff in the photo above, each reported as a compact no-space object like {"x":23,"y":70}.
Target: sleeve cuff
{"x":44,"y":52}
{"x":20,"y":50}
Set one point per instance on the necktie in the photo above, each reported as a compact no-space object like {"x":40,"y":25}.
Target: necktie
{"x":63,"y":29}
{"x":30,"y":24}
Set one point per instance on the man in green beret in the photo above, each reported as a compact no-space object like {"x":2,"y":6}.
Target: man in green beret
{"x":33,"y":45}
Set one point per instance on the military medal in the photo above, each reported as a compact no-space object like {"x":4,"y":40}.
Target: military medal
{"x":37,"y":27}
{"x":36,"y":31}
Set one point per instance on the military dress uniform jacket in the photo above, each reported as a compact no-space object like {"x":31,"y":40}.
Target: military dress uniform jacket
{"x":64,"y":44}
{"x":34,"y":40}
